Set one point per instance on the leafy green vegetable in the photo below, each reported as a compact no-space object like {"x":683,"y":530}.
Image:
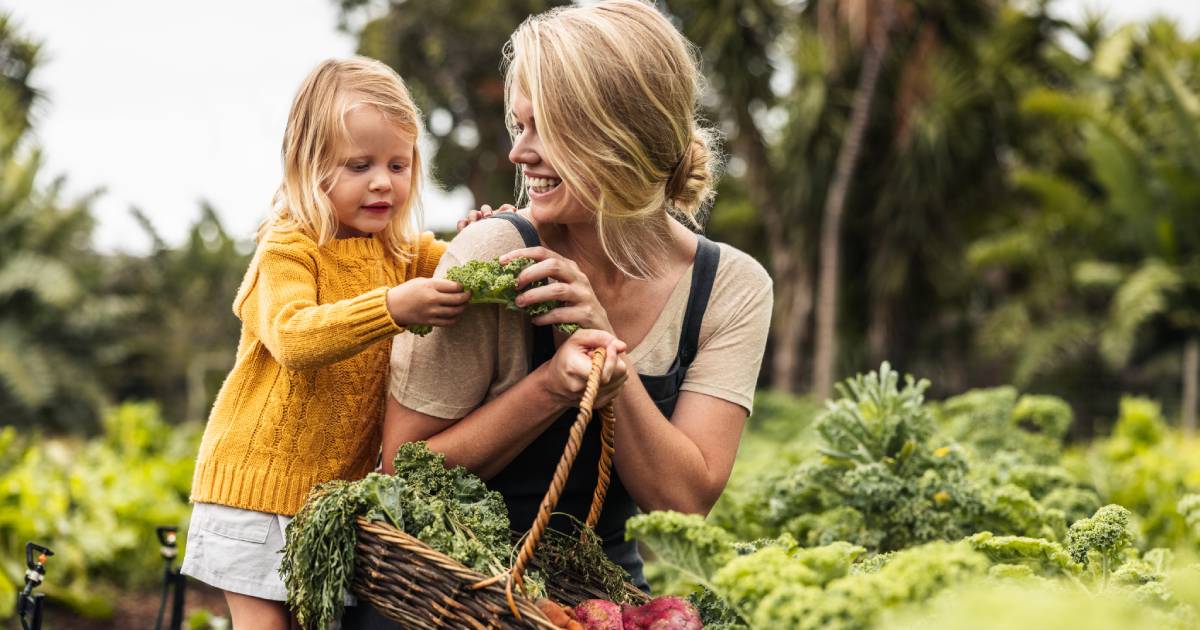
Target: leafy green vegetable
{"x":1100,"y":542}
{"x":492,"y":283}
{"x":1043,"y":557}
{"x":1001,"y":420}
{"x":684,"y":540}
{"x":95,"y":503}
{"x":450,"y":510}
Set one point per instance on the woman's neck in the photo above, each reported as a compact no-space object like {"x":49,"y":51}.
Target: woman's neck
{"x":580,"y":242}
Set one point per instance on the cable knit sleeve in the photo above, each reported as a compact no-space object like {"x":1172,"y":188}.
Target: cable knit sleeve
{"x":280,"y":307}
{"x":429,"y":254}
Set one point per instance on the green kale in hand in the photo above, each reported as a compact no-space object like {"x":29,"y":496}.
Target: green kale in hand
{"x":490,"y":282}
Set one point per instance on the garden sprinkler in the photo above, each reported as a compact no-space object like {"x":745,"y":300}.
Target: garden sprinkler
{"x":29,"y":604}
{"x":173,"y":581}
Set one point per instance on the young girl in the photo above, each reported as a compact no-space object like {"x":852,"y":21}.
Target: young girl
{"x":338,"y":272}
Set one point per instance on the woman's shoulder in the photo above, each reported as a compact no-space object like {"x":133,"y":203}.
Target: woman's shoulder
{"x":485,"y":240}
{"x":738,"y":270}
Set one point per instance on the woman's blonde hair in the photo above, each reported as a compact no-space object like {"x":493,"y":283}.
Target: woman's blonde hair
{"x":316,"y":135}
{"x":614,"y":88}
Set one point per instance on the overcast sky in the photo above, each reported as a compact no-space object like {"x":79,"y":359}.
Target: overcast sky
{"x":163,"y":104}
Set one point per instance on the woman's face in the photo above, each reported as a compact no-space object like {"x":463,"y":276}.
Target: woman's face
{"x":549,"y":200}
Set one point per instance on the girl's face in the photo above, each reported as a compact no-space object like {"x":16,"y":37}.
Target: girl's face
{"x":375,"y":174}
{"x":549,"y":200}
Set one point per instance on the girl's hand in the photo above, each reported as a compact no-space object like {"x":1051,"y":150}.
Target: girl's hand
{"x":482,"y":213}
{"x":430,"y":301}
{"x":569,"y":286}
{"x":566,"y":373}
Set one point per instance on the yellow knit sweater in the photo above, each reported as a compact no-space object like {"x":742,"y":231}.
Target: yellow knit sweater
{"x":304,"y":401}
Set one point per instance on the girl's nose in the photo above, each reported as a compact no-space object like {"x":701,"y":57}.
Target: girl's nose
{"x":380,"y":181}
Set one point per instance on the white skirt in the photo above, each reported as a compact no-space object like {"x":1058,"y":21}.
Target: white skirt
{"x":236,"y":550}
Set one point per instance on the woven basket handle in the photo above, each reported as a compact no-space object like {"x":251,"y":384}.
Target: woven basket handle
{"x":515,"y":576}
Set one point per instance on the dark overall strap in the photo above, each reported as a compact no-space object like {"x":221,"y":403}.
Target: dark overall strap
{"x":543,"y":336}
{"x":528,"y":232}
{"x":704,"y":271}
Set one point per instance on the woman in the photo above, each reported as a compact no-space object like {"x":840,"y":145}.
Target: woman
{"x":602,"y":101}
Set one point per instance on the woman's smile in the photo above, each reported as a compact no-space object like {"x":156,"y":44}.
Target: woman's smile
{"x":541,"y":188}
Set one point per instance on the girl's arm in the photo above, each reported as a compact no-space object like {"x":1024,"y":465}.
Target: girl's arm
{"x":487,"y":439}
{"x":429,"y":253}
{"x":301,"y":334}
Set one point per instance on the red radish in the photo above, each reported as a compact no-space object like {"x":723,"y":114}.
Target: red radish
{"x":599,"y":614}
{"x":662,"y":613}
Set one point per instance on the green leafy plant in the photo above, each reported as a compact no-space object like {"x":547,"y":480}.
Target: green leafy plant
{"x":95,"y":503}
{"x":490,"y":282}
{"x":450,"y":510}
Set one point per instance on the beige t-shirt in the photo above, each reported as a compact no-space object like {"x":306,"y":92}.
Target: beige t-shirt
{"x":452,"y":371}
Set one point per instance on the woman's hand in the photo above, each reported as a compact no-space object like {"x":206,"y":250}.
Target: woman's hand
{"x":482,"y":213}
{"x":430,"y":301}
{"x":566,"y":373}
{"x":568,"y":285}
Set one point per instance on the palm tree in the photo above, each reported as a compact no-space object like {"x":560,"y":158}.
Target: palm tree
{"x":19,"y":56}
{"x":835,"y":199}
{"x":1135,"y":116}
{"x":54,"y":328}
{"x":185,"y":334}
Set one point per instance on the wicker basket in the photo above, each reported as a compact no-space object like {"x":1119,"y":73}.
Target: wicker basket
{"x":409,"y":582}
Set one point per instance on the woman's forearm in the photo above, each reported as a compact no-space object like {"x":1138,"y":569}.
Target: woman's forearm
{"x":659,"y":464}
{"x":484,"y":441}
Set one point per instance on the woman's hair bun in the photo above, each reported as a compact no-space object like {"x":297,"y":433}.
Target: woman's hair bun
{"x":690,"y":187}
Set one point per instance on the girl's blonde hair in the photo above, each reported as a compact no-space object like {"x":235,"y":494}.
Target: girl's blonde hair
{"x":614,"y":88}
{"x":315,"y":136}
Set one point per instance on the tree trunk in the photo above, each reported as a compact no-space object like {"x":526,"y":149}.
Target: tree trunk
{"x":879,"y":328}
{"x":835,"y":202}
{"x":884,"y":285}
{"x":789,"y":265}
{"x":793,"y":307}
{"x":1191,"y":374}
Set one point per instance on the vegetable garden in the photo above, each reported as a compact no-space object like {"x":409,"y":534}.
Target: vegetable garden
{"x":880,"y":509}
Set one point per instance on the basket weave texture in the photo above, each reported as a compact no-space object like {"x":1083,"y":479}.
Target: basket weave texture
{"x":410,"y":582}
